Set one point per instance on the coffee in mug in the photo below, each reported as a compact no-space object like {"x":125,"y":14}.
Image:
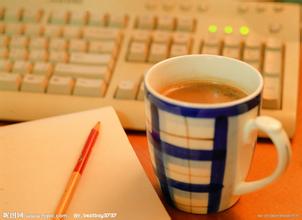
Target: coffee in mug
{"x":203,"y":91}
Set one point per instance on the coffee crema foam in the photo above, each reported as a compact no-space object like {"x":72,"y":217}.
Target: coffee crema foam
{"x":203,"y":92}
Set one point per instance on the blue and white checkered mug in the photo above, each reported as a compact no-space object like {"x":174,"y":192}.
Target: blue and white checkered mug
{"x":201,"y":153}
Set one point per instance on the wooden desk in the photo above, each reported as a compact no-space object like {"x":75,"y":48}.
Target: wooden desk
{"x":280,"y":200}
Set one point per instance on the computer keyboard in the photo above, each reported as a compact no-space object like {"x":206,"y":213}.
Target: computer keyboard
{"x":61,"y":56}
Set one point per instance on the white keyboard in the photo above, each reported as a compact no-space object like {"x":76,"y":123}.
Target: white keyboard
{"x":61,"y":56}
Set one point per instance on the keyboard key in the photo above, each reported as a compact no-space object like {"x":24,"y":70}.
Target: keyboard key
{"x":3,"y":53}
{"x":272,"y":92}
{"x":182,"y":38}
{"x":38,"y":55}
{"x":52,"y":31}
{"x":185,"y":6}
{"x":108,"y":47}
{"x":34,"y":83}
{"x":58,"y":56}
{"x":4,"y":40}
{"x":5,"y":65}
{"x":95,"y":33}
{"x":275,"y":27}
{"x":33,"y":30}
{"x":13,"y":14}
{"x":89,"y":87}
{"x":2,"y":28}
{"x":117,"y":21}
{"x":96,"y":19}
{"x":1,"y":12}
{"x":260,"y":8}
{"x":151,"y":5}
{"x":145,"y":22}
{"x":9,"y":81}
{"x":251,"y":55}
{"x":82,"y":71}
{"x":210,"y":50}
{"x":60,"y":85}
{"x":161,"y":37}
{"x":59,"y":17}
{"x":32,"y":15}
{"x":278,"y":8}
{"x":72,"y":32}
{"x":18,"y":42}
{"x":18,"y":54}
{"x":141,"y":93}
{"x":243,"y":8}
{"x":38,"y":43}
{"x":77,"y":45}
{"x":231,"y":52}
{"x":232,"y":47}
{"x":78,"y":17}
{"x":168,"y":5}
{"x":158,"y":52}
{"x":138,"y":51}
{"x":57,"y":44}
{"x":141,"y":36}
{"x":273,"y":44}
{"x":178,"y":50}
{"x":42,"y":68}
{"x":165,"y":22}
{"x":92,"y":59}
{"x":185,"y":24}
{"x":212,"y":40}
{"x":272,"y":63}
{"x":126,"y":89}
{"x":255,"y":64}
{"x":22,"y":67}
{"x":253,"y":42}
{"x":12,"y":29}
{"x":232,"y":41}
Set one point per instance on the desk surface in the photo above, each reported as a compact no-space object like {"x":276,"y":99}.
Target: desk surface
{"x":280,"y":200}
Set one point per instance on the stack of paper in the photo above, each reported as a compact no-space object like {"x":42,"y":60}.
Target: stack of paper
{"x":37,"y":158}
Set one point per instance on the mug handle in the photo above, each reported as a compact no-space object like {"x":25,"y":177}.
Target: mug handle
{"x":276,"y":133}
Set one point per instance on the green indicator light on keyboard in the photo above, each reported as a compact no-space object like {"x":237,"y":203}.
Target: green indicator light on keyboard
{"x":228,"y":29}
{"x":244,"y":30}
{"x":212,"y":28}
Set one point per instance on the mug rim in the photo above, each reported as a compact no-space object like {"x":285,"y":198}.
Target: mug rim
{"x":201,"y":105}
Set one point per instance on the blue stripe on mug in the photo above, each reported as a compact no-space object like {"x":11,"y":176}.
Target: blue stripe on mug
{"x":204,"y":113}
{"x":218,"y":166}
{"x":184,"y":153}
{"x":190,"y":187}
{"x":160,"y":169}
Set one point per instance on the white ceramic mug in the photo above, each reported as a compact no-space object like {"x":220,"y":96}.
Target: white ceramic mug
{"x":201,"y":153}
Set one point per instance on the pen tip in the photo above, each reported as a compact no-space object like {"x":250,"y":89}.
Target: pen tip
{"x":97,"y":126}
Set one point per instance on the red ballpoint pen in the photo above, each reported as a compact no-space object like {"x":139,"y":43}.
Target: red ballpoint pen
{"x":77,"y":173}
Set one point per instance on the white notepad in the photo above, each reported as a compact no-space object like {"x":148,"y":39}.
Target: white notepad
{"x":37,"y":158}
